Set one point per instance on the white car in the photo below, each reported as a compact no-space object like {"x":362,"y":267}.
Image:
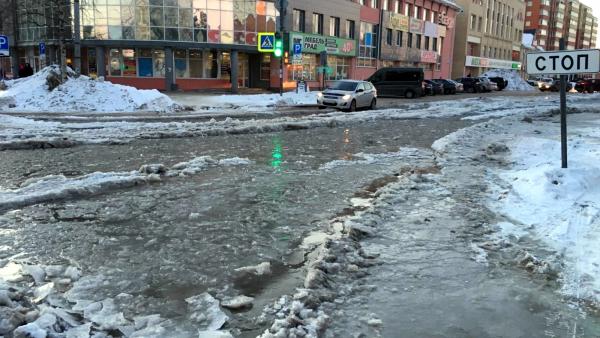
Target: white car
{"x":545,"y":84}
{"x":348,"y":95}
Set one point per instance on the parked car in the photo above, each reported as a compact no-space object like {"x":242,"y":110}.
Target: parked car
{"x":471,"y":84}
{"x":545,"y":84}
{"x":533,"y":83}
{"x":555,"y":87}
{"x":487,"y":84}
{"x":447,"y":86}
{"x":437,"y":87}
{"x":349,"y":95}
{"x":499,"y":81}
{"x":427,"y":89}
{"x":459,"y":86}
{"x":588,"y":86}
{"x":398,"y":82}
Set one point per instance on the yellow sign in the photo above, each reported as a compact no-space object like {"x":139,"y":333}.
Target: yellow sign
{"x":266,"y":42}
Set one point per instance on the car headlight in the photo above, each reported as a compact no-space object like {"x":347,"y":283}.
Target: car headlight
{"x":346,"y":97}
{"x":319,"y":95}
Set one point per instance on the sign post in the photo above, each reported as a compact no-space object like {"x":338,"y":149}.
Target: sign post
{"x":4,"y":47}
{"x":563,"y":63}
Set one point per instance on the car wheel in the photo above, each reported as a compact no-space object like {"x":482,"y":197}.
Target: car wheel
{"x":352,"y":106}
{"x":453,"y":91}
{"x":471,"y":90}
{"x":373,"y":104}
{"x":409,"y":94}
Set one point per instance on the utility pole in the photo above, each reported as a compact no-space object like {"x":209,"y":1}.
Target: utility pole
{"x":77,"y":37}
{"x":282,"y":13}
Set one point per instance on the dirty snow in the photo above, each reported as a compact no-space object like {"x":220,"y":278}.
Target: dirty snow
{"x":57,"y":187}
{"x":82,"y":95}
{"x":255,"y":103}
{"x":558,"y":206}
{"x":515,"y":81}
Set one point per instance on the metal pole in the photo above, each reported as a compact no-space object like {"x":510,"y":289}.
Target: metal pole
{"x":77,"y":38}
{"x":563,"y":112}
{"x":282,"y":13}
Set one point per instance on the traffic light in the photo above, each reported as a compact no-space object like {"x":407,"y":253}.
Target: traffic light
{"x":278,"y":47}
{"x":286,"y":57}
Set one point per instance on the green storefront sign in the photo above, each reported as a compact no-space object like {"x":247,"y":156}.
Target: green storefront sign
{"x":315,"y":44}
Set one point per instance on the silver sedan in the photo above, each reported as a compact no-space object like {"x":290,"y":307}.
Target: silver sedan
{"x":348,"y":95}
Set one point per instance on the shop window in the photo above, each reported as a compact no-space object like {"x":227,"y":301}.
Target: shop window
{"x":158,"y":62}
{"x":306,"y":71}
{"x":181,"y":68}
{"x":340,"y":67}
{"x":115,"y":62}
{"x":129,"y":62}
{"x":225,"y":66}
{"x":145,"y":64}
{"x":196,"y":64}
{"x":265,"y":67}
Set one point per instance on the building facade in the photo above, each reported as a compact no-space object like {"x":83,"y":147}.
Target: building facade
{"x":488,"y":35}
{"x":551,"y":20}
{"x":196,"y":44}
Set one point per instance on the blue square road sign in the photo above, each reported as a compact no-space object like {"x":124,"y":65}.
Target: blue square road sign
{"x":4,"y":47}
{"x":297,"y":48}
{"x":42,"y":48}
{"x":266,"y":42}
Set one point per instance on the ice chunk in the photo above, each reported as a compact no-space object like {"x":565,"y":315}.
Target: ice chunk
{"x":35,"y":271}
{"x":105,"y":315}
{"x":31,"y":330}
{"x":238,"y":302}
{"x":214,"y":334}
{"x":205,"y":310}
{"x":82,"y":331}
{"x":259,"y":270}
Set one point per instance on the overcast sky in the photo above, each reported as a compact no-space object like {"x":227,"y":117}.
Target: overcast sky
{"x":595,"y":4}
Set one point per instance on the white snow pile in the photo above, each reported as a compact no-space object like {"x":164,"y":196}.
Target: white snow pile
{"x":81,"y":94}
{"x":59,"y":187}
{"x":560,"y":207}
{"x":515,"y":81}
{"x":257,"y":102}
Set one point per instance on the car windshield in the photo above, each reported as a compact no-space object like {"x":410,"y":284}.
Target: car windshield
{"x":343,"y":85}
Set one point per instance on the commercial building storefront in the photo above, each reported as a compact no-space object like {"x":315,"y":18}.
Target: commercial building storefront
{"x":476,"y":65}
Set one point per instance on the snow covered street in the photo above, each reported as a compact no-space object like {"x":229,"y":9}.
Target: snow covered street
{"x":429,"y":219}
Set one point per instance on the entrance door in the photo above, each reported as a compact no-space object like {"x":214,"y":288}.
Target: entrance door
{"x":243,"y":71}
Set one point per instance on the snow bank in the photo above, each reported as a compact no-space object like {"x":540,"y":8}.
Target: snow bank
{"x":258,"y":102}
{"x":515,"y":81}
{"x":82,"y":94}
{"x":561,"y":207}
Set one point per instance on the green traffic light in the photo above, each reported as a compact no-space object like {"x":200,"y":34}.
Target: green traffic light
{"x":278,"y":50}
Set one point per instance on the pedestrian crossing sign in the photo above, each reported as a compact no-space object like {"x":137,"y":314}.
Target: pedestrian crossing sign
{"x":266,"y":42}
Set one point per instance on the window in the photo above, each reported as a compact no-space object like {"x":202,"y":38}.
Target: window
{"x":305,"y":71}
{"x":340,"y":67}
{"x":417,"y":12}
{"x":367,"y":50}
{"x":418,"y":38}
{"x":479,"y":24}
{"x":265,"y":67}
{"x":181,"y":66}
{"x":408,"y":9}
{"x":299,"y":18}
{"x":435,"y":44}
{"x":473,"y":21}
{"x":334,"y":26}
{"x":399,"y":38}
{"x":388,"y":37}
{"x":317,"y":23}
{"x":385,"y":5}
{"x":350,"y":29}
{"x":409,"y":40}
{"x":426,"y":43}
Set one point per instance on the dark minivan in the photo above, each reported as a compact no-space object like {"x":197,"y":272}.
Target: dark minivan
{"x":398,"y":82}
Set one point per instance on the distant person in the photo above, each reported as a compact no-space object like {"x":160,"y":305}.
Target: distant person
{"x":22,"y":71}
{"x":28,"y":70}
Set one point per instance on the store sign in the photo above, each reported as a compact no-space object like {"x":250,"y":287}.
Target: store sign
{"x":474,"y":61}
{"x":431,"y":29}
{"x":416,"y":26}
{"x":429,"y":56}
{"x":398,"y":22}
{"x":315,"y":44}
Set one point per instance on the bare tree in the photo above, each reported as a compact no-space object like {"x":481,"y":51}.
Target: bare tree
{"x":53,"y":19}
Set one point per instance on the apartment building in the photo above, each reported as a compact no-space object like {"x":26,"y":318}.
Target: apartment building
{"x":551,"y":20}
{"x":488,"y":35}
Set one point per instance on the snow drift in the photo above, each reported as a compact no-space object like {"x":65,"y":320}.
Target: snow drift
{"x":515,"y":81}
{"x":81,"y":94}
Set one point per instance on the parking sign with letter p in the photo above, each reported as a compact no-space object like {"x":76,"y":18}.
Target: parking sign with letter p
{"x":4,"y":47}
